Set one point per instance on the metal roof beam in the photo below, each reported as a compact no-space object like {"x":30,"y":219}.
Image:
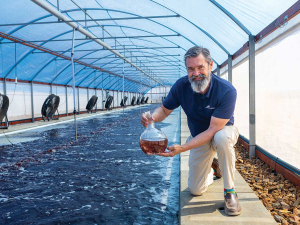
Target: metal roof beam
{"x":48,"y":7}
{"x":101,"y":82}
{"x":120,"y":49}
{"x":94,"y":80}
{"x":231,"y":16}
{"x":85,"y":78}
{"x":139,"y":56}
{"x":90,"y":20}
{"x":84,"y":39}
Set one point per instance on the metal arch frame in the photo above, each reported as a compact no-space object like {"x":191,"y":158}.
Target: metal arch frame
{"x":106,"y":38}
{"x":101,"y":82}
{"x":121,"y":64}
{"x":48,"y":7}
{"x":83,"y":69}
{"x":233,"y":18}
{"x":97,"y":9}
{"x":94,"y":80}
{"x":88,"y":41}
{"x":51,"y":60}
{"x":166,"y":38}
{"x":134,"y":89}
{"x":110,"y":88}
{"x":156,"y":55}
{"x":124,"y":87}
{"x":84,"y":78}
{"x":91,"y":20}
{"x":86,"y":50}
{"x":112,"y":80}
{"x":146,"y":31}
{"x":206,"y":33}
{"x":119,"y":84}
{"x":66,"y":66}
{"x":106,"y":83}
{"x":22,"y":26}
{"x":129,"y":14}
{"x":25,"y":56}
{"x":131,"y":86}
{"x":91,"y":34}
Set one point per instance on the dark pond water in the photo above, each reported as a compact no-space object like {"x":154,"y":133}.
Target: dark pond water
{"x":103,"y":178}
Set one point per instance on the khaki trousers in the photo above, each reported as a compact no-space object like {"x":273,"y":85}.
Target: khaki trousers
{"x":200,"y":160}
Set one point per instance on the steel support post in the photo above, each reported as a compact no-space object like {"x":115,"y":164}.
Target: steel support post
{"x":78,"y":100}
{"x":218,"y":71}
{"x":51,"y":89}
{"x":67,"y":113}
{"x":230,"y":68}
{"x":5,"y":93}
{"x":102,"y":100}
{"x":32,"y":106}
{"x":252,"y":96}
{"x":97,"y":99}
{"x":4,"y":86}
{"x":123,"y":88}
{"x":88,"y":94}
{"x":73,"y":76}
{"x":113,"y":102}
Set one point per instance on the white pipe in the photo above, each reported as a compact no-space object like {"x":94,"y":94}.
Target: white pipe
{"x":72,"y":62}
{"x":48,"y":7}
{"x":123,"y":89}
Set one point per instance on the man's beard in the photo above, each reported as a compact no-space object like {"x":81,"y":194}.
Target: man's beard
{"x":200,"y":85}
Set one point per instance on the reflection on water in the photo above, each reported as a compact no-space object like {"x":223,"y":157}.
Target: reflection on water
{"x":103,"y":178}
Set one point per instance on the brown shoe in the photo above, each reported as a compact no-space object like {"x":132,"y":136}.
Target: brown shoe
{"x":215,"y":166}
{"x":232,"y":205}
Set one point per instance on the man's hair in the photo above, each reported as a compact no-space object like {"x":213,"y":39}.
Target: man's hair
{"x":197,"y":50}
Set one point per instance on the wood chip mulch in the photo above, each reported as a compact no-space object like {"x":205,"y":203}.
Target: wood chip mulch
{"x":280,"y":197}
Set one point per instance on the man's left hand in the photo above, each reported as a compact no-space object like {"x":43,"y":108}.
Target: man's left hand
{"x":174,"y":150}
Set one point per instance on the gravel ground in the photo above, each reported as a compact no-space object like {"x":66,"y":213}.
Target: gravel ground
{"x":280,"y":197}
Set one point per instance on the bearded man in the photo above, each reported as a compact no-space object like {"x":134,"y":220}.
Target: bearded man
{"x":209,"y":103}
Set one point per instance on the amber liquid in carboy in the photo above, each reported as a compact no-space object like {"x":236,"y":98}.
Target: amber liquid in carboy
{"x":151,"y":147}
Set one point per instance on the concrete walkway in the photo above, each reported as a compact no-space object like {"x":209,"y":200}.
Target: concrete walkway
{"x":207,"y":208}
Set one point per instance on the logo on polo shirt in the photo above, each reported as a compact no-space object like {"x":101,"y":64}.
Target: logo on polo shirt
{"x":210,"y":107}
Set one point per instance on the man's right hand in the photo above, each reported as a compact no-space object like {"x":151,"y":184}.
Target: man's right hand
{"x":144,"y":120}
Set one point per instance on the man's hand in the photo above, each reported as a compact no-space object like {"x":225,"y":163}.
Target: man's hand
{"x":145,"y":121}
{"x":174,"y":150}
{"x":157,"y":116}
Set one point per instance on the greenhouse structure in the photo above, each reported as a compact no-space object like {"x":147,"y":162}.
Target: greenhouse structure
{"x":77,"y":76}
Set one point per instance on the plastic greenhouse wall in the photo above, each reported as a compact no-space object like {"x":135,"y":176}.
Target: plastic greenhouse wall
{"x":20,"y":98}
{"x":277,"y":93}
{"x":156,"y":93}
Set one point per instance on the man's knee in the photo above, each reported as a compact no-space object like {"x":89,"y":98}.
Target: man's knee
{"x":221,"y":139}
{"x":195,"y":190}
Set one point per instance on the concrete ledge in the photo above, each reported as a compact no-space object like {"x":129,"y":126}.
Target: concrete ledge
{"x":207,"y":208}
